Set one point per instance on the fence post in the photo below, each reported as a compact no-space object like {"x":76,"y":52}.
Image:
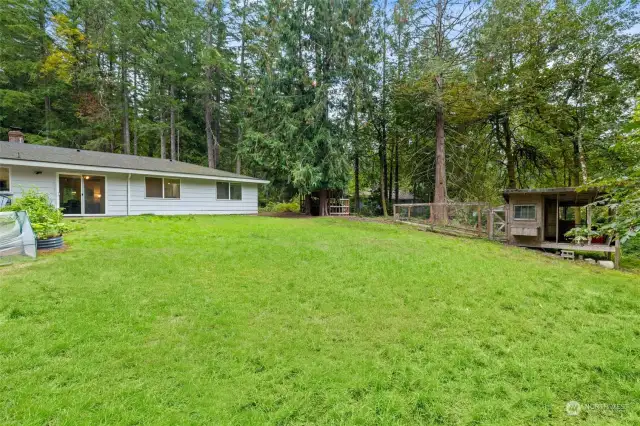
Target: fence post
{"x":490,"y":224}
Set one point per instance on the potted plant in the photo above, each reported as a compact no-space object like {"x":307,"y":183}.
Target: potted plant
{"x":46,"y":219}
{"x":581,"y":234}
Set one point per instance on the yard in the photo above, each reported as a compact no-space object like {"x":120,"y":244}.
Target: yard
{"x":252,"y":320}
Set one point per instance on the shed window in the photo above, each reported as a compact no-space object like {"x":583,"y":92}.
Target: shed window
{"x":229,"y":191}
{"x":162,"y":187}
{"x":525,"y":212}
{"x":4,"y":180}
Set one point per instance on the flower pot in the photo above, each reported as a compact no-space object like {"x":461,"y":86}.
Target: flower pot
{"x":50,"y":243}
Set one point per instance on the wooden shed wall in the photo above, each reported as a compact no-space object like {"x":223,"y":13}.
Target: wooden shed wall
{"x":518,"y":227}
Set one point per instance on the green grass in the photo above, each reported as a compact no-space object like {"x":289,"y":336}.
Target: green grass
{"x":253,"y":320}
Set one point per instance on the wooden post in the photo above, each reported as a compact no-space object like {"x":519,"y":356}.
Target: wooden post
{"x":616,"y":259}
{"x":589,"y":222}
{"x":409,"y":214}
{"x":490,"y":224}
{"x":557,"y":217}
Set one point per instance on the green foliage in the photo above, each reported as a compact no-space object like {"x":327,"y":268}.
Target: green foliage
{"x":46,"y":220}
{"x":316,"y":94}
{"x":292,"y":206}
{"x":622,"y":197}
{"x":581,"y":234}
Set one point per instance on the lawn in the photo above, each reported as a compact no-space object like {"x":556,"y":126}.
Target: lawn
{"x":253,"y":320}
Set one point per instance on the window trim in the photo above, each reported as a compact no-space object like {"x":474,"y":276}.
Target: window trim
{"x":535,"y":211}
{"x":9,"y":169}
{"x":229,"y":191}
{"x":162,"y":178}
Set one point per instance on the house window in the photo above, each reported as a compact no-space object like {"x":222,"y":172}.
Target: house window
{"x":162,"y":187}
{"x":4,"y":180}
{"x":525,"y":212}
{"x":229,"y":191}
{"x":172,"y":188}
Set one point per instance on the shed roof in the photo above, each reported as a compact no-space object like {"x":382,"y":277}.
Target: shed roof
{"x":565,"y":194}
{"x":18,"y":153}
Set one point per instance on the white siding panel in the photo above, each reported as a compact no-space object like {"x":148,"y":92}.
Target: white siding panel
{"x":24,"y":178}
{"x":196,"y":196}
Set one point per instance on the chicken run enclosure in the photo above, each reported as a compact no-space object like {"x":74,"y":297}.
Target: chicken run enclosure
{"x":463,"y":219}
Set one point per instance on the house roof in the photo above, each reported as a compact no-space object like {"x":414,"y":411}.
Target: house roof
{"x":65,"y":158}
{"x":564,"y":194}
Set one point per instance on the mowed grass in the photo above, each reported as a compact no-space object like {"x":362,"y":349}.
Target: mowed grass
{"x":253,"y":320}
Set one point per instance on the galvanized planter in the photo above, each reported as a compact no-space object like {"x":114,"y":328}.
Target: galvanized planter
{"x":50,"y":243}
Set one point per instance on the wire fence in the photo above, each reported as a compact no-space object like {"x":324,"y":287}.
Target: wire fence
{"x":467,"y":219}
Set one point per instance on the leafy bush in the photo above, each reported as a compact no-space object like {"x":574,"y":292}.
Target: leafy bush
{"x":291,"y":206}
{"x":581,"y":234}
{"x":46,"y":220}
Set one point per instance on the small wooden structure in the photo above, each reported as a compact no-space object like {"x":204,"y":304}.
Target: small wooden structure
{"x":339,"y":207}
{"x":325,"y":202}
{"x":539,"y":218}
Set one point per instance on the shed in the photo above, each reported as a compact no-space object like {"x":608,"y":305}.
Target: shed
{"x":539,"y":218}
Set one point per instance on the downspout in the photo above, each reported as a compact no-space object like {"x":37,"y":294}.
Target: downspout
{"x":128,"y":192}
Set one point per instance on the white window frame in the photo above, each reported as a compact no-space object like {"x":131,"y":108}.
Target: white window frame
{"x":535,"y":211}
{"x":229,"y":191}
{"x":8,"y":168}
{"x":163,"y":197}
{"x":82,"y":175}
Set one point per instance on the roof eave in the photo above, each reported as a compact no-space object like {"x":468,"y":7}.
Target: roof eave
{"x":106,"y":169}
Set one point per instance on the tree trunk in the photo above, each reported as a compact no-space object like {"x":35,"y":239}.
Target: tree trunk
{"x":243,"y":79}
{"x":135,"y":110}
{"x":163,"y":144}
{"x":508,"y":145}
{"x":207,"y":124}
{"x":307,"y":204}
{"x":172,"y":123}
{"x":383,"y":136}
{"x":397,"y":171}
{"x":126,"y":139}
{"x":356,"y":173}
{"x":216,"y":142}
{"x":440,"y":191}
{"x":390,"y":185}
{"x":208,"y":114}
{"x":324,"y":203}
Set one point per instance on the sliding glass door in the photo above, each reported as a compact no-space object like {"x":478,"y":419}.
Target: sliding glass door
{"x":81,"y":194}
{"x":70,"y":188}
{"x":94,"y":194}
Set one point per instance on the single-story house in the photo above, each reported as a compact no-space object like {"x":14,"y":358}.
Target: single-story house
{"x":91,"y":183}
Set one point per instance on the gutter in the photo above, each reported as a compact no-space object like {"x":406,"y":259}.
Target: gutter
{"x":63,"y":166}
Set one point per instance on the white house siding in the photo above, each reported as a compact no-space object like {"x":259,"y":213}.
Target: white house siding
{"x":24,"y":178}
{"x":197,"y":196}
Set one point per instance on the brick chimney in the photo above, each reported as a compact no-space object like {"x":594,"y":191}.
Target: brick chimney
{"x":15,"y":135}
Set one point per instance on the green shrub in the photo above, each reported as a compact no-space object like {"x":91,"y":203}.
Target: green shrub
{"x":46,"y":220}
{"x":581,"y":234}
{"x":292,"y":206}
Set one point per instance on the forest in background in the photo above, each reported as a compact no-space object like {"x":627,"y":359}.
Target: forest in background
{"x":445,"y":99}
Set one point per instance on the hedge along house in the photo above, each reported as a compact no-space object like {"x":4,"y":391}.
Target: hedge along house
{"x":91,"y":183}
{"x":539,"y":218}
